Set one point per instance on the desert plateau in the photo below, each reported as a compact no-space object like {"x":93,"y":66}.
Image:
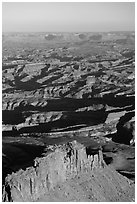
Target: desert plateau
{"x":68,"y":117}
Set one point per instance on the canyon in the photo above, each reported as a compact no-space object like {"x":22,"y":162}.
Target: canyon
{"x":66,"y":93}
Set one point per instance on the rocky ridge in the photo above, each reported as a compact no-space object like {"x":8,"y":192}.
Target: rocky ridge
{"x":56,"y":169}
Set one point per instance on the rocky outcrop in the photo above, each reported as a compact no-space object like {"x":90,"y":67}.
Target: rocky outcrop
{"x":66,"y":162}
{"x":126,"y":129}
{"x":63,"y":164}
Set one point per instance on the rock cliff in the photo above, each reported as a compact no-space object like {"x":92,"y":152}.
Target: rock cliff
{"x":60,"y":167}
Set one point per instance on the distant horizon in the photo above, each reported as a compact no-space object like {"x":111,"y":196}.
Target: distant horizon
{"x":117,"y":31}
{"x":68,"y":17}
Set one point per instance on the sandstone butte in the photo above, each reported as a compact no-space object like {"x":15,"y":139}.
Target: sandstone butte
{"x":70,"y":172}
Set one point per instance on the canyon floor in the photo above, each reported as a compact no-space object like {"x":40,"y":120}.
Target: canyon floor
{"x":63,"y":91}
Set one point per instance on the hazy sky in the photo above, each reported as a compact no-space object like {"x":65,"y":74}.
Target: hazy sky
{"x":68,"y":17}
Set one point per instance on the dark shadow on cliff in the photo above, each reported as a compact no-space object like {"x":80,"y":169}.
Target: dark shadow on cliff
{"x":18,"y":156}
{"x":125,"y":129}
{"x":70,"y":119}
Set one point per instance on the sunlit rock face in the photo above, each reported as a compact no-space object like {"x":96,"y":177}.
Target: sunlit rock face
{"x":65,"y":163}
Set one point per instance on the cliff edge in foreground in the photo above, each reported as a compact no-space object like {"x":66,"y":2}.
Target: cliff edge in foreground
{"x":70,"y":172}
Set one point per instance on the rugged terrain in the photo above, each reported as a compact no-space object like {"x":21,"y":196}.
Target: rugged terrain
{"x":63,"y":87}
{"x":70,"y":172}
